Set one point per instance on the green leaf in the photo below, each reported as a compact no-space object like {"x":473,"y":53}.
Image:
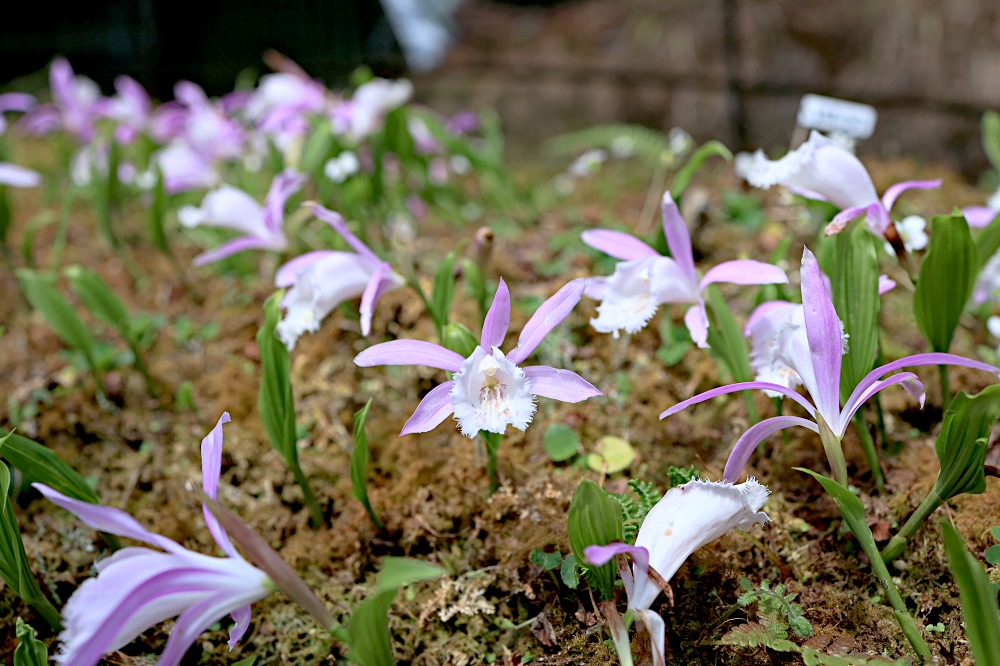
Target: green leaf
{"x":988,"y":242}
{"x":725,"y":337}
{"x":317,"y":148}
{"x":39,"y":464}
{"x":568,"y":572}
{"x":560,"y":442}
{"x":249,"y":661}
{"x":359,"y":463}
{"x":694,"y":163}
{"x":979,"y":599}
{"x":41,"y":292}
{"x":444,"y":291}
{"x":595,"y":517}
{"x":855,"y":296}
{"x":5,"y":216}
{"x":993,"y":554}
{"x":547,"y":561}
{"x":961,"y":444}
{"x":275,"y":401}
{"x":14,"y":567}
{"x":476,"y":284}
{"x":98,"y":297}
{"x":157,"y":215}
{"x":459,"y":339}
{"x":947,"y":278}
{"x":611,"y":455}
{"x":368,"y":628}
{"x":29,"y":651}
{"x":107,"y":196}
{"x":991,"y":137}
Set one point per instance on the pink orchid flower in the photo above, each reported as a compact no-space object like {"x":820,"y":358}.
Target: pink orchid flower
{"x":320,"y":281}
{"x":489,"y":390}
{"x":824,"y":170}
{"x":75,"y":102}
{"x":685,"y":519}
{"x":232,"y":208}
{"x":814,"y":350}
{"x":139,"y":587}
{"x":645,"y":279}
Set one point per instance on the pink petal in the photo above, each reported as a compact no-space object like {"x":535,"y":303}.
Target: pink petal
{"x":410,"y":352}
{"x":678,"y":238}
{"x":618,"y":244}
{"x":858,"y":398}
{"x":557,"y":384}
{"x":892,"y":193}
{"x":696,"y":320}
{"x":740,"y":386}
{"x":284,"y":185}
{"x":751,"y":439}
{"x":289,"y":272}
{"x":745,"y":272}
{"x":432,"y":410}
{"x":211,"y":468}
{"x":825,"y":334}
{"x":337,"y":222}
{"x":232,"y":247}
{"x":979,"y":216}
{"x":549,"y":315}
{"x":497,"y":319}
{"x":13,"y":175}
{"x":380,"y":283}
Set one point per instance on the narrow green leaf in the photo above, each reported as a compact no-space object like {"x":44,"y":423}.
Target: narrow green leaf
{"x":317,"y":148}
{"x":979,"y":599}
{"x":595,"y":518}
{"x":476,"y":284}
{"x":98,"y":297}
{"x":947,"y":278}
{"x":275,"y":401}
{"x":41,"y":292}
{"x":855,"y":295}
{"x":694,"y":163}
{"x":29,"y":651}
{"x":157,"y":215}
{"x":107,"y":196}
{"x":991,"y":137}
{"x":368,"y":628}
{"x":359,"y":463}
{"x":725,"y":337}
{"x":962,"y":443}
{"x":40,"y":464}
{"x":444,"y":291}
{"x":5,"y":216}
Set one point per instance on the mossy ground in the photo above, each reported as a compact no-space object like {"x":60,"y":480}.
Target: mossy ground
{"x":431,"y":490}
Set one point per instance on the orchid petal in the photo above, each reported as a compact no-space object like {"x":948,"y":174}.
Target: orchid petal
{"x":893,"y":191}
{"x":548,"y":315}
{"x":858,"y":398}
{"x":843,"y":218}
{"x":826,"y":337}
{"x":766,"y":311}
{"x":657,"y":634}
{"x":696,"y":320}
{"x":211,"y":468}
{"x":15,"y":101}
{"x":752,"y":438}
{"x":497,"y":319}
{"x":979,"y":217}
{"x":410,"y":352}
{"x":241,"y":616}
{"x":381,"y":281}
{"x":235,"y":246}
{"x":744,"y":272}
{"x":284,"y":185}
{"x":740,"y":386}
{"x":678,"y":238}
{"x":289,"y":272}
{"x":336,"y":221}
{"x":564,"y":385}
{"x":885,"y":284}
{"x":639,"y":577}
{"x":14,"y":175}
{"x":107,"y":519}
{"x":432,"y":410}
{"x":915,"y":361}
{"x":191,"y":624}
{"x":618,"y":244}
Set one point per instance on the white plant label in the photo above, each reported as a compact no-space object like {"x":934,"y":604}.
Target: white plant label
{"x":837,"y":116}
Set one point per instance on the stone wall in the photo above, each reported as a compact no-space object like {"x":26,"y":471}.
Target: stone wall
{"x":731,"y":69}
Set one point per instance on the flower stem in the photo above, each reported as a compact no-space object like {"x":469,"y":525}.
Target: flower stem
{"x":752,"y":413}
{"x":315,"y":511}
{"x":834,"y":452}
{"x":897,"y":544}
{"x":871,"y":452}
{"x":945,"y":387}
{"x":492,"y":441}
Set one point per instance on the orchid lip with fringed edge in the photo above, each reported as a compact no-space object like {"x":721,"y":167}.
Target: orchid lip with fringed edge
{"x":645,"y":279}
{"x":814,"y":351}
{"x":824,"y":170}
{"x":138,"y":587}
{"x":320,"y":281}
{"x":685,"y":519}
{"x":231,"y":208}
{"x":490,"y":390}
